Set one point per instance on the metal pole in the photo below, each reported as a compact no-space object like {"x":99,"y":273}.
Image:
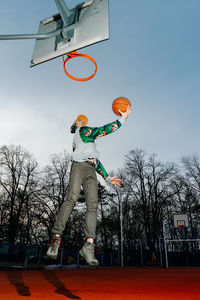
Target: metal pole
{"x":61,"y":256}
{"x":165,"y":245}
{"x":26,"y":259}
{"x":30,"y":36}
{"x":166,"y":257}
{"x":121,"y":232}
{"x":141,"y":256}
{"x":160,"y":251}
{"x":78,"y":260}
{"x":64,"y":11}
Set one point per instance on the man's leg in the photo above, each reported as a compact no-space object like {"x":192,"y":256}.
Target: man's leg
{"x":91,"y":194}
{"x":65,"y":210}
{"x":90,"y":187}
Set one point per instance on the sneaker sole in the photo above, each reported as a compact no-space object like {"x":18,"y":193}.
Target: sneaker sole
{"x":49,"y":257}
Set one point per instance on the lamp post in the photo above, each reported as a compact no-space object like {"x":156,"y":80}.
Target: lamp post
{"x":121,"y":230}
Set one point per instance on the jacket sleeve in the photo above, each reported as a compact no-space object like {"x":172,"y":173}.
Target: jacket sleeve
{"x":101,"y":170}
{"x":89,"y":134}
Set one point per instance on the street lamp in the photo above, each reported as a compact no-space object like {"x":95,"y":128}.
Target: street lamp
{"x":121,"y":230}
{"x":121,"y":246}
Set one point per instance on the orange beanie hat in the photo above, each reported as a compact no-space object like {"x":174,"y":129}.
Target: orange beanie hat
{"x":82,"y":117}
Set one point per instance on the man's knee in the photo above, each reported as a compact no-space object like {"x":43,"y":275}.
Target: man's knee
{"x":71,"y":199}
{"x":92,"y":206}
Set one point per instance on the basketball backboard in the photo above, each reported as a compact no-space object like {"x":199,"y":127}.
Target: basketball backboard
{"x":87,"y":23}
{"x":180,"y":220}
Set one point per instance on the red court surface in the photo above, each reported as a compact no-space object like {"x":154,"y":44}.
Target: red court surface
{"x":101,"y":284}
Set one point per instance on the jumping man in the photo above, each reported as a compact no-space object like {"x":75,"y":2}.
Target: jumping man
{"x":83,"y":173}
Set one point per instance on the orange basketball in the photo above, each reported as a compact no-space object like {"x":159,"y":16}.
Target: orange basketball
{"x":121,"y":103}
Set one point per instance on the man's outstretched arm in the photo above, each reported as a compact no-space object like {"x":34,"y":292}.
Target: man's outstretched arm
{"x":114,"y":180}
{"x":89,"y":134}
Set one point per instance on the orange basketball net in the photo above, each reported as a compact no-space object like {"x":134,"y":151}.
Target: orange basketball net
{"x":76,"y":54}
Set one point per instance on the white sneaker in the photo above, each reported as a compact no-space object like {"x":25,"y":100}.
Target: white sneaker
{"x":88,"y":253}
{"x":52,"y":252}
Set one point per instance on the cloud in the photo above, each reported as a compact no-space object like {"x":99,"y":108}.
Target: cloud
{"x":36,"y":132}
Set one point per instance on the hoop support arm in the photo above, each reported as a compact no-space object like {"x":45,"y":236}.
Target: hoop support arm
{"x":30,"y":36}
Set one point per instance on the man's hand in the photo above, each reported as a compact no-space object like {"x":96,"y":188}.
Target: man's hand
{"x":116,"y":181}
{"x":126,"y":113}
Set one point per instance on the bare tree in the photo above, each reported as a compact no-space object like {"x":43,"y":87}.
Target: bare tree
{"x":105,"y":224}
{"x":18,"y":172}
{"x":150,"y":184}
{"x":54,"y":185}
{"x":191,"y":165}
{"x":187,"y":193}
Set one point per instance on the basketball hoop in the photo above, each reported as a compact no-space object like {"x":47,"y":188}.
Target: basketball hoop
{"x":76,"y":54}
{"x":180,"y":225}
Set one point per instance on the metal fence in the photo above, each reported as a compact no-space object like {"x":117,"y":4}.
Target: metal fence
{"x":33,"y":257}
{"x":182,"y":252}
{"x":168,"y":253}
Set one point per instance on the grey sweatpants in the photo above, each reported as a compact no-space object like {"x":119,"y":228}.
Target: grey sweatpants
{"x":82,"y":174}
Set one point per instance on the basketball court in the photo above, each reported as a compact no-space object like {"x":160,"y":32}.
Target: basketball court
{"x":59,"y":35}
{"x":101,"y":284}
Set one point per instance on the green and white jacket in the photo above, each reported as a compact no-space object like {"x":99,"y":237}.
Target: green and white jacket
{"x":84,"y":146}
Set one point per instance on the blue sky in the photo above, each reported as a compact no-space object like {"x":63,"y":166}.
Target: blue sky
{"x":152,"y":58}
